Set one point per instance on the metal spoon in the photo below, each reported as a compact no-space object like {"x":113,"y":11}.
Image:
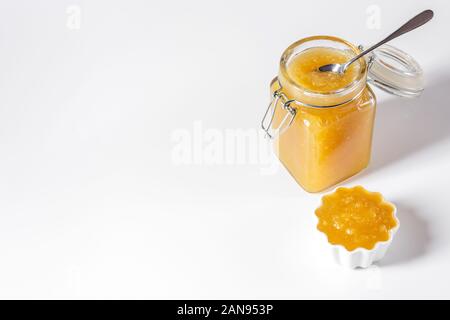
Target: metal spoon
{"x":412,"y":24}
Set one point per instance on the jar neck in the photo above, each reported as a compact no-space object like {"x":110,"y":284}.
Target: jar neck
{"x":296,"y":92}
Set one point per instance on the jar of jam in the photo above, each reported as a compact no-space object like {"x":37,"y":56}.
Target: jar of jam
{"x":321,"y":123}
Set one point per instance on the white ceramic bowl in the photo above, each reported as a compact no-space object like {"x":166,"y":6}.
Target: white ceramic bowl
{"x":361,"y":257}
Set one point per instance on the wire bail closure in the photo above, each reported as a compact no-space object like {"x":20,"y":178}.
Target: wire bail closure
{"x":273,"y":133}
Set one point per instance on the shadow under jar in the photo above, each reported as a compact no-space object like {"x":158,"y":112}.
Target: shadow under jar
{"x":322,"y":123}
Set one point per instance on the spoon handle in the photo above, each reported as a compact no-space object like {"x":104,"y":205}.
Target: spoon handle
{"x":412,"y":24}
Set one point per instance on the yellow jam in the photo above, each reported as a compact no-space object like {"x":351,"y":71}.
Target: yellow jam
{"x":324,"y":146}
{"x":355,"y":218}
{"x":303,"y":69}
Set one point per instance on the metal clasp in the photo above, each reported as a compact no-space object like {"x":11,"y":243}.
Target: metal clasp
{"x":271,"y":132}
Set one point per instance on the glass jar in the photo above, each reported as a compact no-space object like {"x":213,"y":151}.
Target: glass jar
{"x":323,"y":138}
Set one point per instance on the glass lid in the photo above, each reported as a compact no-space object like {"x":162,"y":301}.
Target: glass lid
{"x":396,"y":72}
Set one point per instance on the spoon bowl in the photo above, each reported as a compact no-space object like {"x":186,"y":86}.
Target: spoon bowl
{"x":334,"y":67}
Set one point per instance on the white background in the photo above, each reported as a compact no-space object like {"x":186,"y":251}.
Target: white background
{"x":92,"y":204}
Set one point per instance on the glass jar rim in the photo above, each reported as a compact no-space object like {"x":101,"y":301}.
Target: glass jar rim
{"x":347,"y":89}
